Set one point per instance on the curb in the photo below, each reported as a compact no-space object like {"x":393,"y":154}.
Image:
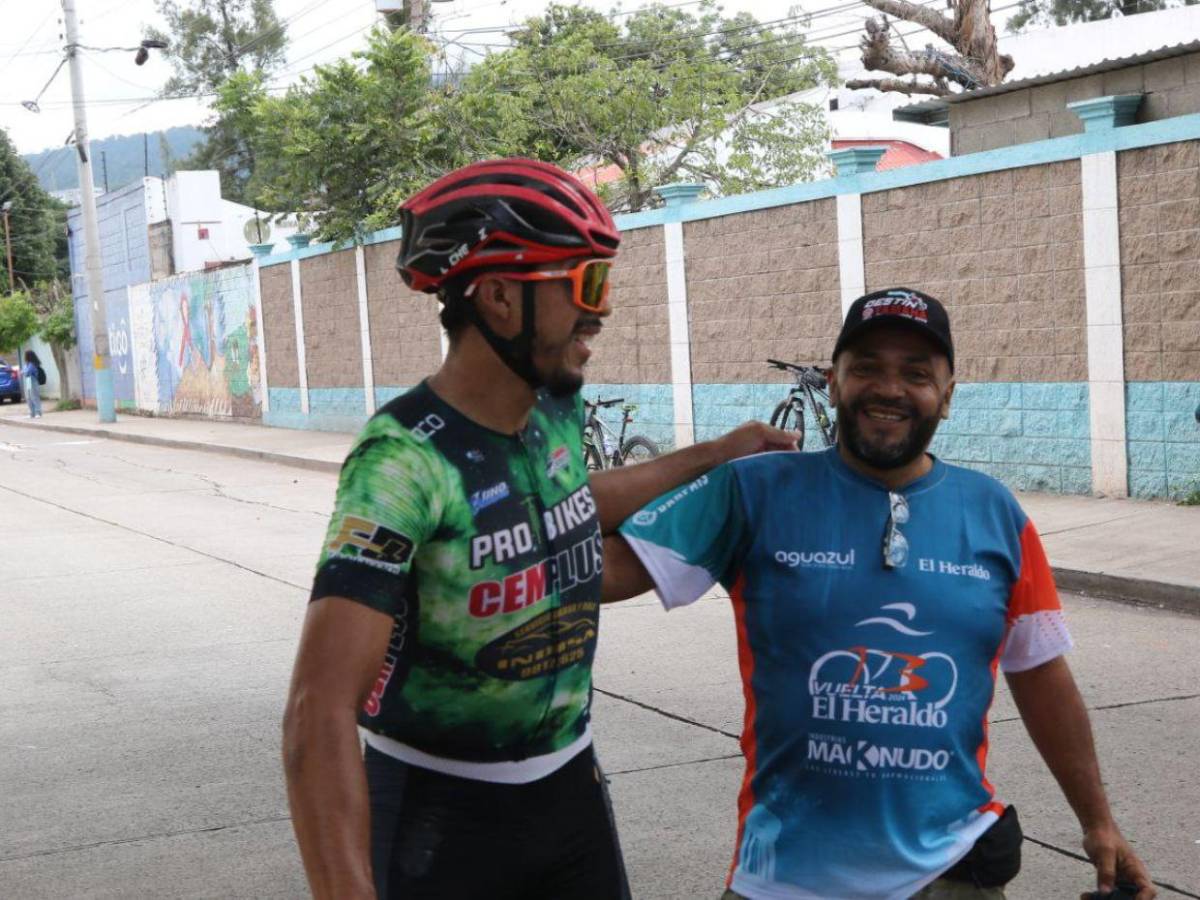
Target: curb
{"x":1138,"y":591}
{"x":1156,"y":594}
{"x":284,"y":459}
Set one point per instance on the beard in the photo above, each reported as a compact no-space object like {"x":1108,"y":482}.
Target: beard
{"x":881,"y":453}
{"x":561,"y":381}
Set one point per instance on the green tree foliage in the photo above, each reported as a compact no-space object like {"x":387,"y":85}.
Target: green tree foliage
{"x":1064,"y":12}
{"x":348,"y":144}
{"x":18,"y":320}
{"x":664,"y":94}
{"x":56,"y":325}
{"x":209,"y":42}
{"x":36,"y":221}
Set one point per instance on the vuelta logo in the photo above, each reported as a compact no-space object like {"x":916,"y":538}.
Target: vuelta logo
{"x":872,"y":686}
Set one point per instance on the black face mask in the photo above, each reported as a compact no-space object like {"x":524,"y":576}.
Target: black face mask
{"x":879,"y":455}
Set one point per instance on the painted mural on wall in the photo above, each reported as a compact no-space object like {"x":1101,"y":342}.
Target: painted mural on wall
{"x":195,"y":345}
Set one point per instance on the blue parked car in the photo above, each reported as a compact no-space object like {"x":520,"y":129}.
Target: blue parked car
{"x":10,"y":383}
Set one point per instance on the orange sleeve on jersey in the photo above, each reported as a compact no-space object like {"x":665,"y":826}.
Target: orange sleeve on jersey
{"x":1034,"y":590}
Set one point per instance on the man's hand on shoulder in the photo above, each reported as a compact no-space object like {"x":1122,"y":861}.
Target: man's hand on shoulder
{"x":753,"y":437}
{"x":1115,"y":861}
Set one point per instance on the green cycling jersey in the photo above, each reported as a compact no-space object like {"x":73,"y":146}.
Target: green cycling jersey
{"x":485,"y":550}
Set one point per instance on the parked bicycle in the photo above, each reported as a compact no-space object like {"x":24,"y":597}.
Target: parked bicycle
{"x":810,"y":390}
{"x":604,"y":448}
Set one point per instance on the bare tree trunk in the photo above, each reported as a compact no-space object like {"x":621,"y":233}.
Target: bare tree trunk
{"x":977,"y":63}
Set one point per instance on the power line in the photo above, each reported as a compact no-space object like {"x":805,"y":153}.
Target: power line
{"x":32,"y":35}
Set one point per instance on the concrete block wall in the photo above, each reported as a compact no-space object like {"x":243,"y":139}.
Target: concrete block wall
{"x":333,"y":359}
{"x":405,"y":333}
{"x":761,"y":285}
{"x":1171,"y":88}
{"x":1159,"y":197}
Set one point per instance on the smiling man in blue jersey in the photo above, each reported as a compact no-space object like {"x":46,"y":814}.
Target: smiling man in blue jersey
{"x":876,"y":591}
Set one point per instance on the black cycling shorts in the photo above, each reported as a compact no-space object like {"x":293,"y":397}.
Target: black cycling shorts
{"x":438,"y":836}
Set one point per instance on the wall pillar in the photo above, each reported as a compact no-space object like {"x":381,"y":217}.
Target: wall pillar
{"x":676,"y":196}
{"x":364,"y":330}
{"x":851,"y":260}
{"x":1105,"y":316}
{"x":298,"y":310}
{"x":260,"y":336}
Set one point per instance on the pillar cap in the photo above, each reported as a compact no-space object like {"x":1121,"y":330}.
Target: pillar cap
{"x":680,"y":192}
{"x":856,"y":160}
{"x":262,"y":249}
{"x":1104,"y":113}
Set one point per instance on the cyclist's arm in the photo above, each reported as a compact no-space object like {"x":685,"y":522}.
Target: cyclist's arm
{"x":341,"y":650}
{"x":621,"y":492}
{"x":624,"y":574}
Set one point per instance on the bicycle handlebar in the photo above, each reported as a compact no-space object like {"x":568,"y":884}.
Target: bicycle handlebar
{"x":810,"y":375}
{"x":603,"y":403}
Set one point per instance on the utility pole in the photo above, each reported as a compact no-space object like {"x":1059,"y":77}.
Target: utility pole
{"x":101,"y":360}
{"x":8,"y":243}
{"x":104,"y":168}
{"x":146,"y":153}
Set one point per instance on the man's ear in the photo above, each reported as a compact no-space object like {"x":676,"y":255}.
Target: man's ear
{"x":946,"y":397}
{"x":499,"y":303}
{"x":831,"y":377}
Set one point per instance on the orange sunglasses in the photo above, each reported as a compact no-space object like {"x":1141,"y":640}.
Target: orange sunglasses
{"x":589,"y":283}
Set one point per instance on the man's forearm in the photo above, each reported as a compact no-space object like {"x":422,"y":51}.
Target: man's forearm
{"x":621,"y":492}
{"x":327,"y":792}
{"x":1057,"y":721}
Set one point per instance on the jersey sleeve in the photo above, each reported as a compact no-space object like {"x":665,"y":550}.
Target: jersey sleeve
{"x":691,"y":538}
{"x":1037,"y":629}
{"x":385,"y":510}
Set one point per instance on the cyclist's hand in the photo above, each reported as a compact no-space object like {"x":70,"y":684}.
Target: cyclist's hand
{"x":754,"y":437}
{"x":1115,"y":861}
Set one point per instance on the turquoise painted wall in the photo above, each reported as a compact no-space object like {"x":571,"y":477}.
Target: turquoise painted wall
{"x":1163,"y":438}
{"x":655,"y":415}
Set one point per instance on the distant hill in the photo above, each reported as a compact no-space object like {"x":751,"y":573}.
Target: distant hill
{"x":123,"y":154}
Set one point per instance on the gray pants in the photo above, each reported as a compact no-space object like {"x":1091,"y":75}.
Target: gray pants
{"x":942,"y":889}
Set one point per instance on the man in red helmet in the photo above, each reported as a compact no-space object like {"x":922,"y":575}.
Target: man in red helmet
{"x":454,"y":613}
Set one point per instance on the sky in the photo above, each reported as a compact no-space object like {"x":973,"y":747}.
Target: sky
{"x":120,"y":95}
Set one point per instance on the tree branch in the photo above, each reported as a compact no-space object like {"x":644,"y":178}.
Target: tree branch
{"x":921,"y":15}
{"x":879,"y":54}
{"x":898,"y":86}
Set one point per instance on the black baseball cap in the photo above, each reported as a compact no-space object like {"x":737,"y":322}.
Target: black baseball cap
{"x":897,"y":308}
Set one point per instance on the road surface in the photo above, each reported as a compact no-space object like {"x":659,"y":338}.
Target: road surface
{"x":150,"y":601}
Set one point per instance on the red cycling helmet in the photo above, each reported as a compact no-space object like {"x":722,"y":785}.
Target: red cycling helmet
{"x":501,"y":213}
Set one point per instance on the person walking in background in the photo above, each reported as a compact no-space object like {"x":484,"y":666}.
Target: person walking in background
{"x":33,"y":395}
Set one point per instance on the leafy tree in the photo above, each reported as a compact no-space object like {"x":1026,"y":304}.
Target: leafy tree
{"x":1065,"y":12}
{"x":663,"y":94}
{"x":18,"y":320}
{"x":209,"y":42}
{"x":36,"y":222}
{"x":349,"y":143}
{"x":56,"y":320}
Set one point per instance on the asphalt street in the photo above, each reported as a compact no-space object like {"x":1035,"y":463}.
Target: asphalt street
{"x":150,"y":601}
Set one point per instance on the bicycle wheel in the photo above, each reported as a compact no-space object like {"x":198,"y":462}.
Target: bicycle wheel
{"x":638,"y":449}
{"x":790,"y":417}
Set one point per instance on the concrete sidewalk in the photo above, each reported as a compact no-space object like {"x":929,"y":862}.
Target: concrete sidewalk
{"x":1135,"y":550}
